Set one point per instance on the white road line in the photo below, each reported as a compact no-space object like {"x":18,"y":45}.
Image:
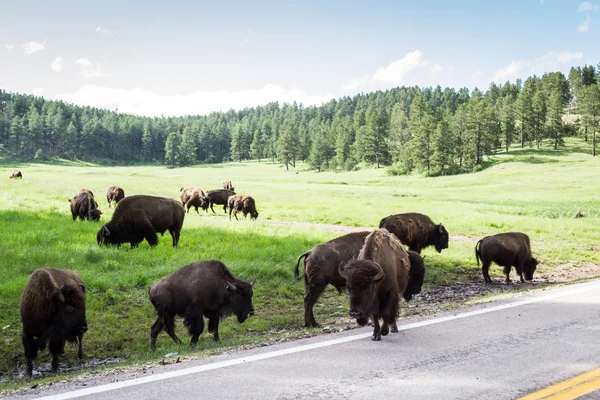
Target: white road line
{"x":299,"y":349}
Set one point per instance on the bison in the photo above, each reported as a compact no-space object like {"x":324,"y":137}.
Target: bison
{"x":16,"y":174}
{"x":227,"y":185}
{"x":243,"y":203}
{"x":201,"y":289}
{"x":52,"y":312}
{"x":219,"y":196}
{"x":511,"y":249}
{"x":184,"y":194}
{"x":375,"y":281}
{"x":114,"y":193}
{"x":195,"y":198}
{"x":416,"y":275}
{"x":417,"y":231}
{"x":140,"y":217}
{"x":84,"y":206}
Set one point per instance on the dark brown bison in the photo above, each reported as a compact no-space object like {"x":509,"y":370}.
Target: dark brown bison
{"x":52,"y":311}
{"x":195,"y":198}
{"x":227,"y":185}
{"x":114,"y":193}
{"x":218,"y":196}
{"x":140,"y":217}
{"x":417,"y":231}
{"x":16,"y":174}
{"x":243,"y":203}
{"x":84,"y":206}
{"x":416,"y":275}
{"x":511,"y":249}
{"x":375,"y":281}
{"x":201,"y":289}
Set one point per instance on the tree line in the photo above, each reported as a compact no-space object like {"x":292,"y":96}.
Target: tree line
{"x":434,"y":131}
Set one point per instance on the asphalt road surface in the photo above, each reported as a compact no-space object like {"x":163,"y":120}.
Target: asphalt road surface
{"x":500,"y":350}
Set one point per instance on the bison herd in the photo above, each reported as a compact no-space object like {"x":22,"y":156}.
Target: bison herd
{"x":373,"y":266}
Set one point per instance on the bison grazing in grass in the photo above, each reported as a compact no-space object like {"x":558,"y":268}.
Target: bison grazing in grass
{"x":195,"y":198}
{"x":201,"y":289}
{"x":114,"y":193}
{"x":376,"y":279}
{"x":16,"y":174}
{"x":219,"y":196}
{"x":228,"y":186}
{"x":52,"y":311}
{"x":140,"y":217}
{"x":243,"y":203}
{"x":417,"y":231}
{"x":511,"y":249}
{"x":84,"y":206}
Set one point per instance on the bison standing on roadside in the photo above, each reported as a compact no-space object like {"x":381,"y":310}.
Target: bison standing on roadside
{"x":243,"y":203}
{"x":114,"y":193}
{"x":140,"y":217}
{"x":416,"y":275}
{"x":16,"y":174}
{"x":200,"y":289}
{"x":376,"y":279}
{"x":511,"y":249}
{"x":218,"y":196}
{"x":84,"y":206}
{"x":417,"y":231}
{"x":195,"y":198}
{"x":227,"y":185}
{"x":52,"y":311}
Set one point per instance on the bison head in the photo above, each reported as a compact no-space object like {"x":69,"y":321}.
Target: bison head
{"x":529,"y":268}
{"x":240,"y":297}
{"x":440,"y":240}
{"x":94,"y":215}
{"x":362,"y":278}
{"x":254,"y":215}
{"x":416,"y":276}
{"x":69,"y":306}
{"x":109,"y":234}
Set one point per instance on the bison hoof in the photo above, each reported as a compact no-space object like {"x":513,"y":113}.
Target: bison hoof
{"x":385,"y":330}
{"x":376,"y":337}
{"x":394,"y":329}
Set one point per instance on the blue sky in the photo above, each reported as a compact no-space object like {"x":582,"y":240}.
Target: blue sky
{"x":155,"y":58}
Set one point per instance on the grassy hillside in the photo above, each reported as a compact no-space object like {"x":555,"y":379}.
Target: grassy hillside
{"x":534,"y":191}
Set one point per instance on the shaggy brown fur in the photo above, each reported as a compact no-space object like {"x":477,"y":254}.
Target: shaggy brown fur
{"x":195,"y":198}
{"x":243,"y":203}
{"x":84,"y":206}
{"x":114,"y":193}
{"x":52,"y":311}
{"x":417,"y":231}
{"x":228,"y":186}
{"x":16,"y":174}
{"x":140,"y":217}
{"x":201,"y":289}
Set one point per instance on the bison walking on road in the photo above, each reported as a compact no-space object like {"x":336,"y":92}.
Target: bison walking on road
{"x":376,"y":279}
{"x":114,"y":193}
{"x":201,"y":289}
{"x":218,"y":196}
{"x":84,"y":206}
{"x":511,"y":249}
{"x":140,"y":217}
{"x":16,"y":174}
{"x":243,"y":203}
{"x":52,"y":311}
{"x":417,"y":231}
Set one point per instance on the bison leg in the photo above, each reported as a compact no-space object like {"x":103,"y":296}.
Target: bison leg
{"x":56,"y":347}
{"x":211,"y":208}
{"x":80,"y":350}
{"x":235,"y":215}
{"x":385,"y":329}
{"x":313,"y":291}
{"x":196,"y":328}
{"x":213,"y":326}
{"x":30,"y":348}
{"x":485,"y":270}
{"x":170,"y":327}
{"x":393,"y":326}
{"x":154,"y":331}
{"x":376,"y":328}
{"x":175,"y":235}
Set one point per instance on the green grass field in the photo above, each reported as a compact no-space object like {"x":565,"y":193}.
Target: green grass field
{"x":534,"y":191}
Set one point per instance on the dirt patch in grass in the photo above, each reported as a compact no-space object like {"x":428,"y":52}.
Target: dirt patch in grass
{"x":569,"y":272}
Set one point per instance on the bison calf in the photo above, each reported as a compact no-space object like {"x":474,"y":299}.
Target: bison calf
{"x":511,"y":249}
{"x":114,"y":194}
{"x":140,"y":217}
{"x":417,"y":231}
{"x":16,"y":174}
{"x":243,"y":203}
{"x":201,"y":289}
{"x":52,"y":311}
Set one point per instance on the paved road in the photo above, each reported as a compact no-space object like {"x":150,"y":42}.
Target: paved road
{"x":500,"y":350}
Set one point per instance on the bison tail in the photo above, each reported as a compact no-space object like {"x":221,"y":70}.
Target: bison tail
{"x":296,"y":273}
{"x":477,"y":251}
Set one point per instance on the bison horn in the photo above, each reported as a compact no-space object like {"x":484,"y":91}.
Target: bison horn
{"x":230,"y":287}
{"x":61,"y":297}
{"x":380,"y":274}
{"x":341,"y":270}
{"x":253,"y":282}
{"x":105,"y":231}
{"x":82,"y":286}
{"x":441,"y":228}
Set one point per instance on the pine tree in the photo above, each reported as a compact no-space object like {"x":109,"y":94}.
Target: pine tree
{"x":35,"y":129}
{"x":187,"y":148}
{"x":321,"y":150}
{"x":237,"y":145}
{"x":287,"y":144}
{"x":555,"y":123}
{"x":172,"y":148}
{"x":17,"y":135}
{"x":507,"y":120}
{"x":443,"y":147}
{"x":147,"y":144}
{"x":589,"y":106}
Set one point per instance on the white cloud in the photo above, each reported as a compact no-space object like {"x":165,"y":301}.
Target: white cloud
{"x":396,"y":71}
{"x":143,"y":102}
{"x":353,"y":84}
{"x":585,"y":25}
{"x":552,"y":61}
{"x":37,"y":91}
{"x":587,"y":6}
{"x":57,"y":64}
{"x":103,"y":31}
{"x":90,"y":71}
{"x":9,"y":47}
{"x":34,"y":47}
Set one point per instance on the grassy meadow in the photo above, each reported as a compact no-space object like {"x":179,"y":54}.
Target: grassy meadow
{"x":531,"y":190}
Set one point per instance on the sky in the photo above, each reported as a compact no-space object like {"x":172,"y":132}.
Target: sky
{"x":158,"y":58}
